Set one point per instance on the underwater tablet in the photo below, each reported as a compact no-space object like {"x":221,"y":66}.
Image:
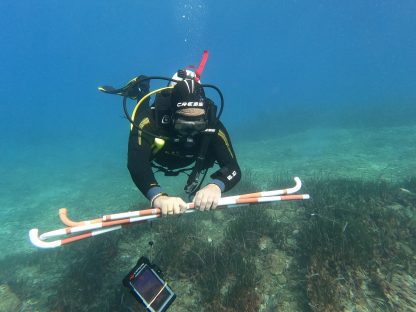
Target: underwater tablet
{"x":149,"y":288}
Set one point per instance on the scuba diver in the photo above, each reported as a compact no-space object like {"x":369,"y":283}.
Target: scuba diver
{"x":179,"y":129}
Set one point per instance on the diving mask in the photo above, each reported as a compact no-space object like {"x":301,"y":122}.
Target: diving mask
{"x":189,"y":126}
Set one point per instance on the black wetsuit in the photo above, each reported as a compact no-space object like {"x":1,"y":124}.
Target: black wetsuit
{"x":142,"y":152}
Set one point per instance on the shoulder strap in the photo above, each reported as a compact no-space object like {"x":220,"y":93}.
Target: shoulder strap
{"x":162,"y":110}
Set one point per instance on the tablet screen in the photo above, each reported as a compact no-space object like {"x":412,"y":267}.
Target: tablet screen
{"x":152,"y":290}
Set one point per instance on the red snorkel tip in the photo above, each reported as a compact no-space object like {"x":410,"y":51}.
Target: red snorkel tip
{"x":201,"y":65}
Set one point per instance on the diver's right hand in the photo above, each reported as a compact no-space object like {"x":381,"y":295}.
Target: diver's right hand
{"x":170,"y":205}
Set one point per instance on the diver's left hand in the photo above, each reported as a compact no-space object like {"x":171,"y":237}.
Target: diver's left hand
{"x":207,"y":198}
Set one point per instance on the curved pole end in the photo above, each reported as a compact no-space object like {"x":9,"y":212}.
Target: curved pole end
{"x":36,"y":241}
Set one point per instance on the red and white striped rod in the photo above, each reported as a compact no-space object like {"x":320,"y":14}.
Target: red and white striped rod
{"x":95,"y":226}
{"x":286,"y":191}
{"x":89,"y":230}
{"x":63,"y":212}
{"x":63,"y":215}
{"x":35,"y":239}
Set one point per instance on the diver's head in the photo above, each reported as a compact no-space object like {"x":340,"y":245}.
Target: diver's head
{"x":189,"y":107}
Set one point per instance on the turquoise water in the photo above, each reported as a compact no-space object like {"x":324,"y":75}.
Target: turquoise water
{"x":311,"y":88}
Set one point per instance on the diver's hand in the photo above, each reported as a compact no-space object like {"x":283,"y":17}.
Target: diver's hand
{"x":207,"y":198}
{"x":170,"y":205}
